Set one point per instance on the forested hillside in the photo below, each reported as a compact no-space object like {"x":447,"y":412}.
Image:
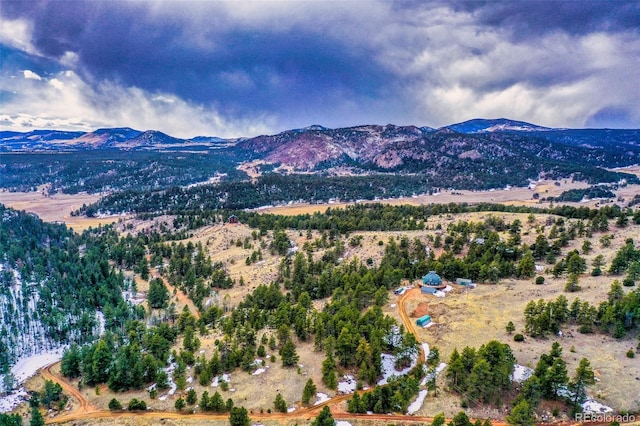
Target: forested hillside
{"x":55,"y":287}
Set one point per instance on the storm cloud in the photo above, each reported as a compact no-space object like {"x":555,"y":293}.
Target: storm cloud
{"x":242,"y":68}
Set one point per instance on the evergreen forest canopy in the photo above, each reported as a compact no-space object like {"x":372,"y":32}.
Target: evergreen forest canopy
{"x":52,"y":282}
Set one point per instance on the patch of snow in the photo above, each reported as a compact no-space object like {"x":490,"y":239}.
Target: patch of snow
{"x":393,"y":305}
{"x":348,"y":385}
{"x":521,"y":373}
{"x":593,"y":406}
{"x":389,"y":369}
{"x":425,"y":349}
{"x":291,"y":409}
{"x":439,"y":369}
{"x":259,"y":371}
{"x":162,"y":398}
{"x":9,"y":402}
{"x":189,"y":379}
{"x":27,"y":367}
{"x":439,"y":293}
{"x":101,"y":322}
{"x":447,"y":289}
{"x":321,"y":397}
{"x":394,"y":338}
{"x":417,"y":404}
{"x":342,"y":423}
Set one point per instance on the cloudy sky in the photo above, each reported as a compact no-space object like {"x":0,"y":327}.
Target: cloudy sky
{"x":242,"y":68}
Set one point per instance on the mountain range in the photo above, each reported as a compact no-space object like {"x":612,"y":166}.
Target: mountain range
{"x":475,"y":153}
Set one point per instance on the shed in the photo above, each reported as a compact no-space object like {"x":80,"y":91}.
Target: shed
{"x":423,"y":320}
{"x":428,"y":290}
{"x":233,"y":219}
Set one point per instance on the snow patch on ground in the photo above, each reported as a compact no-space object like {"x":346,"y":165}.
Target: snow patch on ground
{"x":389,"y":369}
{"x":291,"y":409}
{"x":417,"y":404}
{"x":521,"y":373}
{"x":321,"y":397}
{"x":425,"y":349}
{"x":593,"y":406}
{"x":216,"y":380}
{"x":27,"y":367}
{"x":343,"y":423}
{"x":348,"y":385}
{"x":439,"y":369}
{"x":259,"y":371}
{"x":21,"y":371}
{"x":9,"y":402}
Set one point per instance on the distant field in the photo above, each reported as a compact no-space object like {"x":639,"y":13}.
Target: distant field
{"x":55,"y":208}
{"x":511,"y":196}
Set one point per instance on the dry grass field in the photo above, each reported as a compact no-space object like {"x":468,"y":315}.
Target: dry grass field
{"x":473,"y":317}
{"x":463,"y":318}
{"x":56,"y":208}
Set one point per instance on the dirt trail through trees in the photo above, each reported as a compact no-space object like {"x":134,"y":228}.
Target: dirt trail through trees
{"x":87,"y":411}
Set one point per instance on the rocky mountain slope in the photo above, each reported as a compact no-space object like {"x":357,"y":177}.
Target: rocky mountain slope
{"x":476,"y":153}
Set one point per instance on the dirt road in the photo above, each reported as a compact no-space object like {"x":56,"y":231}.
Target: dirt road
{"x":409,"y":325}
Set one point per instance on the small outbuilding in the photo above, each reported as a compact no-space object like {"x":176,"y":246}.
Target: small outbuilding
{"x":464,"y":281}
{"x":428,"y":290}
{"x":423,"y":320}
{"x":233,"y":219}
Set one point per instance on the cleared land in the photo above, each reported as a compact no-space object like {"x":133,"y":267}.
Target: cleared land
{"x":56,"y":208}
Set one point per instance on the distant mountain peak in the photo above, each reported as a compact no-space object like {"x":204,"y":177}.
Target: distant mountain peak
{"x":482,"y":125}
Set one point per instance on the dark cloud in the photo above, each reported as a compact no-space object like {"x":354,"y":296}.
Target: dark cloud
{"x":242,"y":70}
{"x":345,"y":63}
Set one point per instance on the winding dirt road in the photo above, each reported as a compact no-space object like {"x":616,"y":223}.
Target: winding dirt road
{"x":84,"y":406}
{"x":88,"y":411}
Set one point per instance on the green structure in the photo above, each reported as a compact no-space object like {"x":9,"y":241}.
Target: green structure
{"x":423,"y":320}
{"x":432,"y":280}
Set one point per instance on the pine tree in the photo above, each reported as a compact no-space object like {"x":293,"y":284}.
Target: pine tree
{"x":158,"y":295}
{"x":102,"y":358}
{"x":115,"y":405}
{"x":329,"y":372}
{"x":180,"y":404}
{"x":71,"y":360}
{"x":556,"y":377}
{"x":308,"y":392}
{"x":521,"y":415}
{"x":325,"y":418}
{"x":279,"y":403}
{"x":192,"y":397}
{"x":356,"y":405}
{"x":239,"y":417}
{"x":216,"y":403}
{"x":204,"y":401}
{"x":289,"y":355}
{"x":584,"y":377}
{"x":439,"y":420}
{"x":36,"y":417}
